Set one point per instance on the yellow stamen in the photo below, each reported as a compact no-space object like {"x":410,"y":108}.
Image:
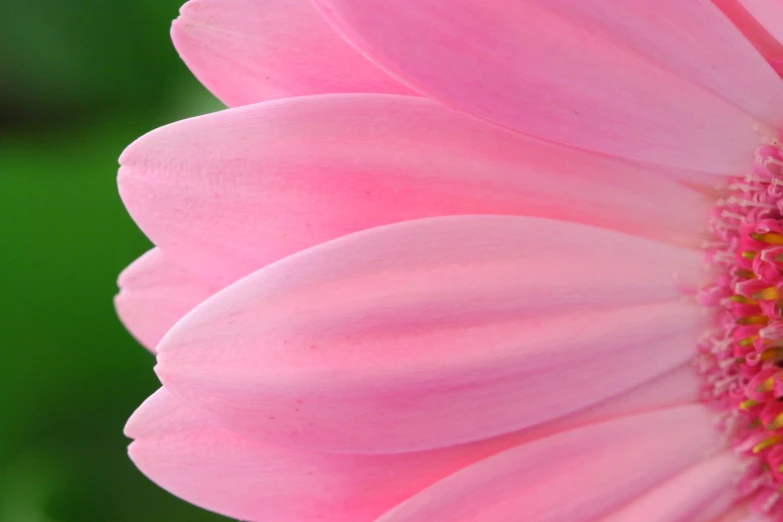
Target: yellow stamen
{"x":772,"y":238}
{"x":753,"y":319}
{"x":742,"y":300}
{"x":768,"y":294}
{"x":776,"y":423}
{"x":767,"y":443}
{"x":748,"y":404}
{"x":765,"y":386}
{"x":748,"y":341}
{"x":766,"y":355}
{"x":749,"y":254}
{"x":748,"y":274}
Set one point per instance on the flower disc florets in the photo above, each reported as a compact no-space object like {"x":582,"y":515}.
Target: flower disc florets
{"x":742,"y":358}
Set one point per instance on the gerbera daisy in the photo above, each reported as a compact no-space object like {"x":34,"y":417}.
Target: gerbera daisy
{"x":456,"y":260}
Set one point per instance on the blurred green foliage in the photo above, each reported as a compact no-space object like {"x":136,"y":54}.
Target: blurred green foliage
{"x":79,"y":80}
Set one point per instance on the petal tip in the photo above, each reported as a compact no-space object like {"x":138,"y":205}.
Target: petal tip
{"x":125,"y":309}
{"x":182,"y":28}
{"x":189,"y":8}
{"x":156,"y":414}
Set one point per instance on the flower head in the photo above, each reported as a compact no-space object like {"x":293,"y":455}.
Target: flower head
{"x":455,"y":260}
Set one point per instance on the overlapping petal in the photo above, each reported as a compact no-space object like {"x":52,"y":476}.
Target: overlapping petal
{"x":179,"y":448}
{"x":698,"y":494}
{"x":435,"y":332}
{"x":757,"y":21}
{"x":247,"y":51}
{"x":154,"y":294}
{"x":249,"y":480}
{"x":227,"y":193}
{"x":581,"y":474}
{"x":769,"y":13}
{"x":666,"y":82}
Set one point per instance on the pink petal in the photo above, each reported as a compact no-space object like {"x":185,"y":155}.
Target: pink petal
{"x":178,"y":448}
{"x":687,"y":496}
{"x":246,"y":51}
{"x":754,"y":20}
{"x":738,"y":513}
{"x":154,"y":294}
{"x":769,"y":14}
{"x":741,"y":513}
{"x":674,"y":388}
{"x":577,"y":475}
{"x":659,"y":81}
{"x":249,"y":480}
{"x":389,"y":339}
{"x":756,"y":517}
{"x":227,"y":193}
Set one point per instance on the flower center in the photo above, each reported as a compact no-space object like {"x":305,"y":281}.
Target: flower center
{"x":741,"y":360}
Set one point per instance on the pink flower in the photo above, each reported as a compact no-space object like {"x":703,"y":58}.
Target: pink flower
{"x":459,"y":275}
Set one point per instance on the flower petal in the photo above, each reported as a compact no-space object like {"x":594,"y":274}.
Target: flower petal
{"x":738,"y":513}
{"x":247,"y":51}
{"x":659,"y":81}
{"x":687,"y":496}
{"x":227,"y":193}
{"x":674,"y":388}
{"x":154,"y":294}
{"x":576,"y":475}
{"x":245,"y":479}
{"x":180,"y":449}
{"x":756,"y":19}
{"x":747,"y":517}
{"x":741,"y":512}
{"x":769,"y":13}
{"x":389,"y":339}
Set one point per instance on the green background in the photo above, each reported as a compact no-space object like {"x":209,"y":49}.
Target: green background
{"x":79,"y":80}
